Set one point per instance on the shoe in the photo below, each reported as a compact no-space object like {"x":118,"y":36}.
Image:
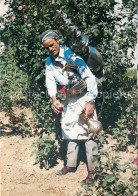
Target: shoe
{"x":65,"y":170}
{"x":89,"y":179}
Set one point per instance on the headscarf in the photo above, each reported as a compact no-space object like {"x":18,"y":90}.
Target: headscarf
{"x":51,"y":34}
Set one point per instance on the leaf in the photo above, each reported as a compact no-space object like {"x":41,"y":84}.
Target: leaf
{"x":130,"y":159}
{"x":101,"y":138}
{"x":109,"y":195}
{"x":32,"y":153}
{"x":110,"y":178}
{"x":104,"y":184}
{"x":123,"y":168}
{"x":94,"y":148}
{"x":108,"y":135}
{"x":95,"y":159}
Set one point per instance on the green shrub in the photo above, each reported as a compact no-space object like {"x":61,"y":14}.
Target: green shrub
{"x":26,"y":20}
{"x":14,"y":82}
{"x":45,"y":151}
{"x":108,"y":177}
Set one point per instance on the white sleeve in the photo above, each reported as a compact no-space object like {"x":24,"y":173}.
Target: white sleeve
{"x":50,"y":82}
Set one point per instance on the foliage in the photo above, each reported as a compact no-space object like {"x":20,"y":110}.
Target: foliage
{"x":44,"y":150}
{"x":108,"y":176}
{"x":14,"y":82}
{"x":96,"y":19}
{"x":108,"y":32}
{"x":18,"y":123}
{"x":125,"y":129}
{"x":43,"y":120}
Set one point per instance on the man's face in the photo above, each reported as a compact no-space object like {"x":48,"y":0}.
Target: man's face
{"x":52,"y":45}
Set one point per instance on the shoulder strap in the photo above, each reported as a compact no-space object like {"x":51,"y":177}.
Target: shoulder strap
{"x":56,"y":63}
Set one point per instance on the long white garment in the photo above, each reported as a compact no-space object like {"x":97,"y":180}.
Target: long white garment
{"x":72,"y":108}
{"x":70,"y":116}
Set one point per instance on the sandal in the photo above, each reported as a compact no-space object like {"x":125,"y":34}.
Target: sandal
{"x":89,"y":179}
{"x":65,"y":170}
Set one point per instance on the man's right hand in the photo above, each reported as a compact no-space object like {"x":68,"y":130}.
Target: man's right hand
{"x":56,"y":104}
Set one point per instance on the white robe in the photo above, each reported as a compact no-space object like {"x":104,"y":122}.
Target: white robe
{"x":71,"y":130}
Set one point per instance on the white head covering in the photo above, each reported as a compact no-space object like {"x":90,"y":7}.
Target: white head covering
{"x":51,"y":34}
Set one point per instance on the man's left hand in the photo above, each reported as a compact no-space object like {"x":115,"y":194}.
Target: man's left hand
{"x":88,"y":108}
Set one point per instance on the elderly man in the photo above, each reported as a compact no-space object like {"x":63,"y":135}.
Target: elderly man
{"x":60,"y":56}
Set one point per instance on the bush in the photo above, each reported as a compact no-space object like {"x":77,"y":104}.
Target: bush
{"x":108,"y":177}
{"x":45,"y":152}
{"x":14,"y":82}
{"x":26,"y":20}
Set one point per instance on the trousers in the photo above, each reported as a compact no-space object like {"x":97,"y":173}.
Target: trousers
{"x":73,"y":149}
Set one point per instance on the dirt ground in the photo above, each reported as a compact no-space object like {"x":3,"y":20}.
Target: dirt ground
{"x":20,"y":176}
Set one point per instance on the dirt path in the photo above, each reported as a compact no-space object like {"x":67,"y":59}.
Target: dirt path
{"x":20,"y":176}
